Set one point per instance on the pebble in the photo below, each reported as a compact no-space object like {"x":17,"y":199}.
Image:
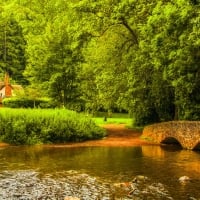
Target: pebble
{"x":73,"y":185}
{"x":184,"y":178}
{"x":71,"y":198}
{"x":29,"y":185}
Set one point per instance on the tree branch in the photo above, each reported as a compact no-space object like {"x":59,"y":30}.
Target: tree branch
{"x":132,"y":32}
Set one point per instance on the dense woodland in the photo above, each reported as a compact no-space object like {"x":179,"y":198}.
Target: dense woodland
{"x":139,"y":56}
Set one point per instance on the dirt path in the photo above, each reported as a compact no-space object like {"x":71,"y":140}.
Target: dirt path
{"x":118,"y":135}
{"x":2,"y":144}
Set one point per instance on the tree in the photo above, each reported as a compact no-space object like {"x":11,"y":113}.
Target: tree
{"x":12,"y":47}
{"x":141,"y":56}
{"x":53,"y":61}
{"x":174,"y":51}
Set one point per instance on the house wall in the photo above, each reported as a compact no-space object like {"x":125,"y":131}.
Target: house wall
{"x":2,"y":92}
{"x":6,"y":92}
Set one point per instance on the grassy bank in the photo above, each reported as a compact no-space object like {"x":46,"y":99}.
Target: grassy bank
{"x":39,"y":126}
{"x":113,"y":120}
{"x":102,"y":118}
{"x":117,"y":118}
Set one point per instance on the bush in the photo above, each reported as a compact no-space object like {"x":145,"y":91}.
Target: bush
{"x":150,"y":116}
{"x":192,"y":113}
{"x":36,"y":126}
{"x":27,"y":103}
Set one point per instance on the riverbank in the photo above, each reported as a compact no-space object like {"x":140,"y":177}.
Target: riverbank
{"x":2,"y":144}
{"x":117,"y":135}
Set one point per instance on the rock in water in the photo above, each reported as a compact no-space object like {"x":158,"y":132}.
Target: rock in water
{"x":183,"y":179}
{"x":139,"y":178}
{"x":71,"y":198}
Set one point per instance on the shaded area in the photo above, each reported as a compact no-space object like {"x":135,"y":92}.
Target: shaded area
{"x":197,"y":147}
{"x":171,"y":141}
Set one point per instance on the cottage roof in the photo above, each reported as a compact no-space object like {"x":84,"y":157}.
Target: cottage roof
{"x":17,"y":87}
{"x":1,"y":85}
{"x":6,"y":82}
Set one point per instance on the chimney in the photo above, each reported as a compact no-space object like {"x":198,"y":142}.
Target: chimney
{"x":8,"y":92}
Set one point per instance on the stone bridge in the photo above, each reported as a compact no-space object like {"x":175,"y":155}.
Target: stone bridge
{"x":186,"y":133}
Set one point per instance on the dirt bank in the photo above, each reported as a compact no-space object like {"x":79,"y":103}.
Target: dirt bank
{"x":2,"y":144}
{"x":117,"y":135}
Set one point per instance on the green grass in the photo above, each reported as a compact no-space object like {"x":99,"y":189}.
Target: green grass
{"x":127,"y":121}
{"x":117,"y":118}
{"x":101,"y":121}
{"x":113,"y":115}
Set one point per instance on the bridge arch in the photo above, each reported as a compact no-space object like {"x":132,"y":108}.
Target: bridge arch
{"x":187,"y":133}
{"x":197,"y":146}
{"x":171,"y":140}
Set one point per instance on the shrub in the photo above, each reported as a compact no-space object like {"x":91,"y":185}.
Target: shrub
{"x":27,"y":103}
{"x":33,"y":126}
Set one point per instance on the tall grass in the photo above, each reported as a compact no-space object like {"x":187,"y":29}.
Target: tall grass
{"x":36,"y":126}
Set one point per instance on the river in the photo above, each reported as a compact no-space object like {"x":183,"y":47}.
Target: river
{"x":39,"y":172}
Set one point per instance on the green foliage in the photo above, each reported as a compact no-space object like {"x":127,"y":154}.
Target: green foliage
{"x":35,"y":126}
{"x":113,"y":120}
{"x":12,"y":46}
{"x":27,"y":103}
{"x":140,"y":56}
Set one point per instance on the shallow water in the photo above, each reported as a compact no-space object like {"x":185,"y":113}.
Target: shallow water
{"x":94,"y":170}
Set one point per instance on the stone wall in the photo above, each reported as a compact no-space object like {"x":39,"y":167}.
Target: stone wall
{"x":187,"y":133}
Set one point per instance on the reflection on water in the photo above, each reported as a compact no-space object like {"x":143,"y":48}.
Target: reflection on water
{"x":164,"y":165}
